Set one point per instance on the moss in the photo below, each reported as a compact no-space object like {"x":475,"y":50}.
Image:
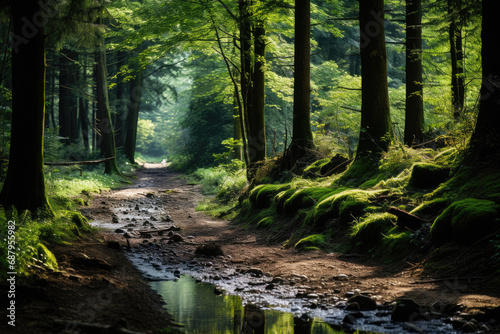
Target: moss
{"x":315,"y":240}
{"x":465,"y":221}
{"x":265,"y":222}
{"x":262,"y":195}
{"x":46,"y":256}
{"x":315,"y":167}
{"x":428,"y":176}
{"x":396,"y":243}
{"x":78,"y":219}
{"x":368,"y":232}
{"x":431,"y":208}
{"x":305,"y":198}
{"x":343,"y":206}
{"x":282,"y":197}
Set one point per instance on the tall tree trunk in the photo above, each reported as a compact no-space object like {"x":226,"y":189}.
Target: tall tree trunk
{"x":457,"y":67}
{"x":485,"y":141}
{"x":414,"y":115}
{"x":237,"y":130}
{"x":302,"y":139}
{"x":376,"y":128}
{"x":68,"y":103}
{"x":256,"y":111}
{"x":24,"y":186}
{"x":104,"y":123}
{"x":133,"y":117}
{"x":121,"y":104}
{"x":83,"y":114}
{"x":245,"y":79}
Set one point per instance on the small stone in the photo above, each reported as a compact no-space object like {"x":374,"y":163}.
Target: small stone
{"x":410,"y":327}
{"x":365,"y":303}
{"x":270,"y":286}
{"x":255,"y":271}
{"x":405,"y":310}
{"x":210,"y":249}
{"x":119,"y":230}
{"x":469,"y":327}
{"x":353,"y":307}
{"x":341,"y":277}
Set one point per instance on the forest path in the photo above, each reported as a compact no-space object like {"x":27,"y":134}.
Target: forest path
{"x":160,"y":198}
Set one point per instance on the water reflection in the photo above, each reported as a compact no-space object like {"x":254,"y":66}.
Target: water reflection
{"x":202,"y":311}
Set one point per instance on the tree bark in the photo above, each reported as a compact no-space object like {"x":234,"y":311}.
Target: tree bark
{"x":302,"y":138}
{"x":414,"y":114}
{"x":457,"y":67}
{"x":104,"y":123}
{"x":256,"y":111}
{"x":133,"y":117}
{"x":376,"y":128}
{"x":24,"y":186}
{"x":485,"y":141}
{"x":68,"y":104}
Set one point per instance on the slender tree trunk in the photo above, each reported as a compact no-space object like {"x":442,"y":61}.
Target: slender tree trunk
{"x":24,"y":186}
{"x":84,"y":123}
{"x":414,"y":120}
{"x":237,"y":131}
{"x":256,"y":111}
{"x":302,"y":139}
{"x":64,"y":100}
{"x":104,"y":123}
{"x":376,"y":128}
{"x":485,"y":141}
{"x":133,"y":117}
{"x":457,"y":68}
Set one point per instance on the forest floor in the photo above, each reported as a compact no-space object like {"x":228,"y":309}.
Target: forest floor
{"x":97,"y":284}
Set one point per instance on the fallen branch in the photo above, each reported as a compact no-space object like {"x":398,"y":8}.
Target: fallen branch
{"x":72,"y":163}
{"x":440,"y":280}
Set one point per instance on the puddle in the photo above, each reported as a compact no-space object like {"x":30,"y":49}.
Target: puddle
{"x":200,"y":310}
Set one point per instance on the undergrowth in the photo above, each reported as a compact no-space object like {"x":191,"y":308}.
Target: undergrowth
{"x":66,"y":188}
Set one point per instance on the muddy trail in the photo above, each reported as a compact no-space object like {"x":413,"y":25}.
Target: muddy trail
{"x":155,"y":221}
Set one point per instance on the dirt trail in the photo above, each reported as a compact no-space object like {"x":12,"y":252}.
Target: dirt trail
{"x":166,"y":194}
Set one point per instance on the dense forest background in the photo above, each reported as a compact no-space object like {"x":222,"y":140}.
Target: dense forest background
{"x":342,"y":115}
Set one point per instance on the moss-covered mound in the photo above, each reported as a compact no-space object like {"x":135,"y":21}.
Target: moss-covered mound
{"x":262,"y":196}
{"x":369,"y":231}
{"x":428,"y":176}
{"x":342,"y":206}
{"x":465,"y":221}
{"x":314,"y":169}
{"x":305,"y":198}
{"x":312,"y":242}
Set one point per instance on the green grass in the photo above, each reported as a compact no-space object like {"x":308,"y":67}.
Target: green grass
{"x":66,"y":188}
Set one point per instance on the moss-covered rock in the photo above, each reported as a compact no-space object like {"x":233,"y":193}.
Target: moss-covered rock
{"x":262,"y":196}
{"x":46,"y":256}
{"x":428,"y":176}
{"x":368,"y":232}
{"x":396,"y":243}
{"x":314,"y":241}
{"x":465,"y":221}
{"x":79,"y":220}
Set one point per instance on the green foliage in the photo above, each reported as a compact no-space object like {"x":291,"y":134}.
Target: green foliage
{"x":466,"y":221}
